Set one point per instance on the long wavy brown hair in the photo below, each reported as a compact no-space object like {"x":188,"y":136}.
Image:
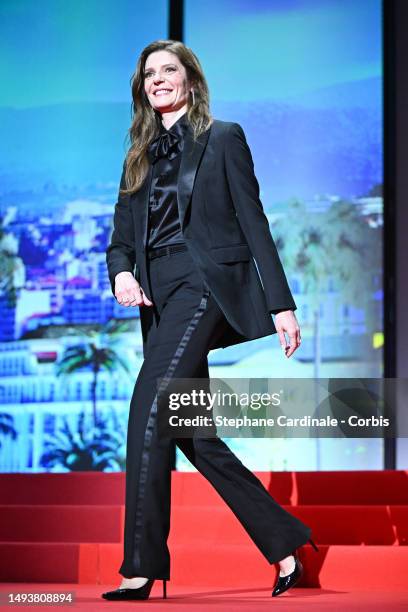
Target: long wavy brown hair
{"x":146,"y":121}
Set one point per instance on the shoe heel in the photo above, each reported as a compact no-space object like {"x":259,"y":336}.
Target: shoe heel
{"x":313,"y":544}
{"x":164,"y":589}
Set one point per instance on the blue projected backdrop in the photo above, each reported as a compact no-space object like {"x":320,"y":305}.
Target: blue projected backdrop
{"x":64,"y":114}
{"x":304,"y":79}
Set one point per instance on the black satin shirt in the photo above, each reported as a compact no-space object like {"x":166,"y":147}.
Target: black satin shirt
{"x":164,"y":225}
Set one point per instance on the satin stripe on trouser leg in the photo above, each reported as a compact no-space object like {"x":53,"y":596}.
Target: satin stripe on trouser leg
{"x":189,"y":321}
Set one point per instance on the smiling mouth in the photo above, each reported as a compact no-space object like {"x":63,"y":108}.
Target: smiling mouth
{"x":163,"y":92}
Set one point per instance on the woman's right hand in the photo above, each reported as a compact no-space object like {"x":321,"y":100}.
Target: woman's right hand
{"x":128,"y":292}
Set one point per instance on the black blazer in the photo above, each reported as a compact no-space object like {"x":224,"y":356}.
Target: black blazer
{"x":225,"y":230}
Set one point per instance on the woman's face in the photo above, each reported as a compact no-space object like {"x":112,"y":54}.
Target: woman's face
{"x":165,"y":82}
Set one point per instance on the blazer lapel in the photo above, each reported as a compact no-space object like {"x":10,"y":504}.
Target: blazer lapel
{"x":190,"y":159}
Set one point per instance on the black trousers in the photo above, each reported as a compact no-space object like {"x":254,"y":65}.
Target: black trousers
{"x":187,"y":322}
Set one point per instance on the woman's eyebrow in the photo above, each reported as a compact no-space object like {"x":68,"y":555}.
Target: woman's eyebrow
{"x":162,"y":66}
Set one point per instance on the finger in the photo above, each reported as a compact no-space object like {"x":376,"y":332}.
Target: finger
{"x":291,"y":350}
{"x":121,"y":298}
{"x":282,"y":339}
{"x":145,"y":299}
{"x":298,"y":338}
{"x":138,"y":296}
{"x":129,"y":297}
{"x":134,"y":302}
{"x":293,"y":343}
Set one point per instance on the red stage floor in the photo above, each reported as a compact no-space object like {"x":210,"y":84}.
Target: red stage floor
{"x":227,"y":599}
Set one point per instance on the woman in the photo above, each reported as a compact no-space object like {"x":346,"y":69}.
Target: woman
{"x":187,"y":225}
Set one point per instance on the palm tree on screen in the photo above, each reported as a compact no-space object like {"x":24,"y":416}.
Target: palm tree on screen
{"x":97,"y":350}
{"x":338,"y":245}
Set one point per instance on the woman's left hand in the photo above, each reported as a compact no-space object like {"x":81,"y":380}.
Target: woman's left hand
{"x":286,"y":321}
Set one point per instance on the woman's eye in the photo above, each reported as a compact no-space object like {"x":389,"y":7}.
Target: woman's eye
{"x":149,"y":74}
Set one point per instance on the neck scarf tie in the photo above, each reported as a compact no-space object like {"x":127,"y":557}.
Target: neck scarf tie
{"x":166,"y":145}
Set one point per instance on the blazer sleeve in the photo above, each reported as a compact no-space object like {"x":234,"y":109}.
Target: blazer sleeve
{"x":120,"y":253}
{"x":244,"y":189}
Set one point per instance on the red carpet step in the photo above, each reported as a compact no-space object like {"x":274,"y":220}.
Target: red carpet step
{"x":389,"y":487}
{"x":210,"y":524}
{"x":69,"y":527}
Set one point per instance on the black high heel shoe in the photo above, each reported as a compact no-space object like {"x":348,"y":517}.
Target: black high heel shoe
{"x":284,"y":583}
{"x":142,"y":592}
